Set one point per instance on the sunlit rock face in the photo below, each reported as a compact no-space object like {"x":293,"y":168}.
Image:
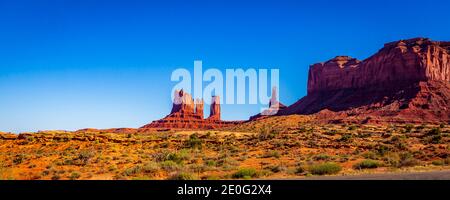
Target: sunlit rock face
{"x":187,"y":113}
{"x":406,"y":80}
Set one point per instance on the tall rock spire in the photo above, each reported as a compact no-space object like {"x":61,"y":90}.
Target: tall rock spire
{"x":215,"y":108}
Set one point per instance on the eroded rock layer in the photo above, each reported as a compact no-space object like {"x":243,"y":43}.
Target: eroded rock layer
{"x":405,"y":81}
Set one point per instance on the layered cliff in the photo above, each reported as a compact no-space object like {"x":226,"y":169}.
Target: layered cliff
{"x":405,"y":80}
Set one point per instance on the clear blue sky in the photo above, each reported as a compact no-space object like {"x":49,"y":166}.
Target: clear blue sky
{"x":76,"y":64}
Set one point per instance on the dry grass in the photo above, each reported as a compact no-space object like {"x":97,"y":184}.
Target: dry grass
{"x":277,"y":147}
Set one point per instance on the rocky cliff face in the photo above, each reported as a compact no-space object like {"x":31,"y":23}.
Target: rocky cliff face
{"x":408,"y":76}
{"x":402,"y":62}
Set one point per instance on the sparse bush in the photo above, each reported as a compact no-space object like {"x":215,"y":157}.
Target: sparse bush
{"x":211,"y":177}
{"x":19,"y":158}
{"x":210,"y":163}
{"x":369,"y":155}
{"x":150,"y":168}
{"x":321,"y":157}
{"x":169,"y":165}
{"x":445,"y":161}
{"x":408,"y":128}
{"x":266,"y":132}
{"x":226,"y":161}
{"x":382,"y":149}
{"x":183,"y":176}
{"x":421,"y":127}
{"x":331,"y":132}
{"x":407,"y":160}
{"x":392,"y":159}
{"x":325,"y":168}
{"x":55,"y":177}
{"x":434,"y":131}
{"x":45,"y":172}
{"x":276,"y":168}
{"x":112,"y":168}
{"x":269,"y":154}
{"x":352,"y":127}
{"x":74,"y":176}
{"x":300,"y":169}
{"x":132,"y":170}
{"x":194,"y":141}
{"x":346,"y":137}
{"x":435,"y":139}
{"x":178,"y":157}
{"x":82,"y":159}
{"x":437,"y":162}
{"x":245,"y":173}
{"x":367,"y":164}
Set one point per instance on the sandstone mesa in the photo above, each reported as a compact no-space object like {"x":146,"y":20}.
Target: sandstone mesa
{"x":405,"y":81}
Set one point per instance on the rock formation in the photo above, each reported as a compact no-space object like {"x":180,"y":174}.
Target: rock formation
{"x":186,"y":114}
{"x":405,"y":81}
{"x":215,"y":108}
{"x":275,"y":106}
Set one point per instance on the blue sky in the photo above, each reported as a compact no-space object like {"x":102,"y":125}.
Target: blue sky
{"x":76,"y":64}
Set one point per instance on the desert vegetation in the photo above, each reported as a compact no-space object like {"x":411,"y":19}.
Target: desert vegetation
{"x":277,"y":147}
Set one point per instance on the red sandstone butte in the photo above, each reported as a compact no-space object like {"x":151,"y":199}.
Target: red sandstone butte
{"x":405,"y":81}
{"x":188,"y":114}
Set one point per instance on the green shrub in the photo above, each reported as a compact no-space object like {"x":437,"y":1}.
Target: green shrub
{"x":434,"y":131}
{"x":382,"y":149}
{"x":321,"y":157}
{"x":325,"y":168}
{"x":132,"y":170}
{"x":408,"y":128}
{"x":437,"y":162}
{"x":441,"y":162}
{"x":392,"y":159}
{"x":183,"y":176}
{"x":346,"y":137}
{"x":169,"y":165}
{"x":210,"y":163}
{"x":245,"y":173}
{"x":211,"y":177}
{"x":369,"y":155}
{"x":352,"y":127}
{"x":178,"y":157}
{"x":74,"y":175}
{"x":367,"y":164}
{"x":150,"y":168}
{"x":275,"y":154}
{"x":434,"y":139}
{"x":194,"y":141}
{"x":19,"y":158}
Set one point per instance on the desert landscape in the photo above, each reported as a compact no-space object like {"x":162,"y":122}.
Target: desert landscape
{"x":273,"y":148}
{"x":387,"y":113}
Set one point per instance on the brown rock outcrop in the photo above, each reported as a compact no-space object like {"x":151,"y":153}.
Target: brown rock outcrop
{"x":215,"y":108}
{"x":186,"y":114}
{"x":407,"y":80}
